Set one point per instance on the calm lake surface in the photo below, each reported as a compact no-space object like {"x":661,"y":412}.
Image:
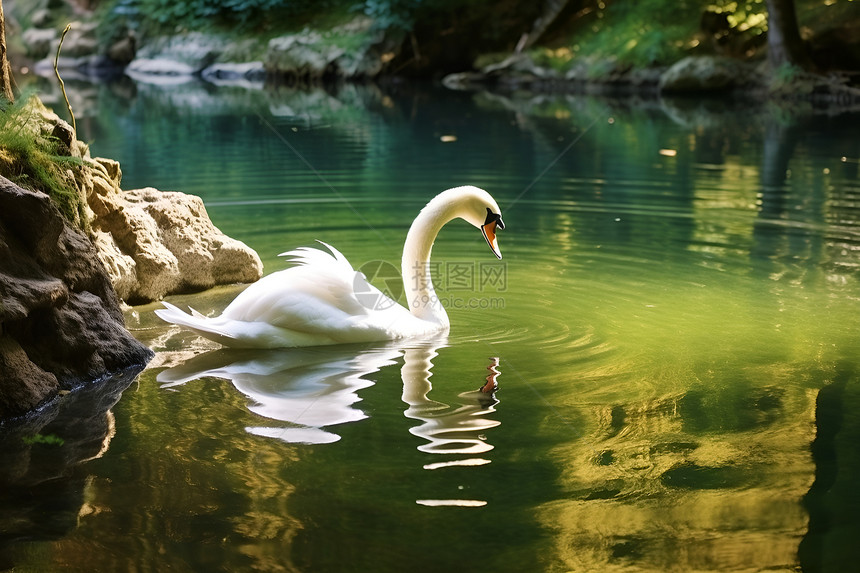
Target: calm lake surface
{"x":674,"y":331}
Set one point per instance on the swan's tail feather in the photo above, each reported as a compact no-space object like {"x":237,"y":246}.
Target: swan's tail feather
{"x":196,"y":314}
{"x":235,"y":333}
{"x":202,"y":325}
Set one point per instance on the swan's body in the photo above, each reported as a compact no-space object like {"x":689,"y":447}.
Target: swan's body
{"x":323,"y":300}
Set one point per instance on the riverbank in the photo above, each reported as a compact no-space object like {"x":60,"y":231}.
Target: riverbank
{"x":723,"y":52}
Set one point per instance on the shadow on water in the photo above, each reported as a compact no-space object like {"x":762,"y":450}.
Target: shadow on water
{"x":833,"y":501}
{"x":43,"y":476}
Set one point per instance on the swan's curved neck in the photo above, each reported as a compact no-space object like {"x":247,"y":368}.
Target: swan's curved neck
{"x":420,"y":294}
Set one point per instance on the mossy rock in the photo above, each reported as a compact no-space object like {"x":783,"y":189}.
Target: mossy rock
{"x":39,"y":151}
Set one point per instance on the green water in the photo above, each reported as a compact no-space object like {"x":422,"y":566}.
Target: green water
{"x":674,"y":324}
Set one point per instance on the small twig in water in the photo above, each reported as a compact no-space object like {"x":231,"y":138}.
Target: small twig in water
{"x":62,"y":84}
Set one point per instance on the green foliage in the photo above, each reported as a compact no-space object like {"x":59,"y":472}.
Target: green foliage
{"x":742,"y":17}
{"x":655,"y":32}
{"x":599,"y":69}
{"x":787,"y":73}
{"x":626,"y":32}
{"x":160,"y":16}
{"x":49,"y":440}
{"x":197,"y":11}
{"x":558,"y":60}
{"x":167,"y":16}
{"x":789,"y":80}
{"x":638,"y":33}
{"x":39,"y":161}
{"x":391,"y":14}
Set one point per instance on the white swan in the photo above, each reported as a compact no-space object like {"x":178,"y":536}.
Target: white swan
{"x":323,"y":300}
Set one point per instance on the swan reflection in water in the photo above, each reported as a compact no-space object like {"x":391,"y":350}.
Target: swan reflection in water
{"x":448,"y":432}
{"x":311,"y":390}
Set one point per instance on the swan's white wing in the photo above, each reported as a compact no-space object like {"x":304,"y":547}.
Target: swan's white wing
{"x":315,"y":297}
{"x":321,"y":300}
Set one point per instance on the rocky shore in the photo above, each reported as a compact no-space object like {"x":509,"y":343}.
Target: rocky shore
{"x":355,"y":50}
{"x":154,"y":243}
{"x":360,"y":50}
{"x":61,"y":324}
{"x":61,"y":285}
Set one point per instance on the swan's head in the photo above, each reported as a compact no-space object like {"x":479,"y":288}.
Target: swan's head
{"x":480,"y":209}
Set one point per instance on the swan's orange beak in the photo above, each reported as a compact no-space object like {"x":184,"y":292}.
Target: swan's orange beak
{"x":488,"y":229}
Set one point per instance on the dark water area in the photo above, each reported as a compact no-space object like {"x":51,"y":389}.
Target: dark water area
{"x":673,"y":330}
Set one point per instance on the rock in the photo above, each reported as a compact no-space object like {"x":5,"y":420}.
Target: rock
{"x":121,"y":268}
{"x":61,"y":325}
{"x":151,"y":243}
{"x":41,"y":18}
{"x":465,"y":81}
{"x":40,"y":42}
{"x":124,"y":50}
{"x":518,"y":64}
{"x":154,"y":243}
{"x":60,"y":320}
{"x":353,"y":50}
{"x":111,"y":168}
{"x":25,"y":386}
{"x":80,"y":40}
{"x":704,"y":74}
{"x":245,"y":74}
{"x":159,"y":67}
{"x":302,"y":55}
{"x":516,"y":70}
{"x":191,"y":52}
{"x":85,"y":68}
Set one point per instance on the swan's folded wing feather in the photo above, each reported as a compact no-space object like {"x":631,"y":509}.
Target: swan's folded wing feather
{"x":313,"y":256}
{"x":316,"y":297}
{"x":320,"y":300}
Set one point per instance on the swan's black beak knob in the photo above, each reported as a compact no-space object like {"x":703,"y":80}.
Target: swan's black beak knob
{"x":488,"y":229}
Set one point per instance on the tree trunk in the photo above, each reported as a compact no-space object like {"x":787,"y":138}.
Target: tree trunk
{"x":5,"y":68}
{"x":551,"y":11}
{"x":784,"y":44}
